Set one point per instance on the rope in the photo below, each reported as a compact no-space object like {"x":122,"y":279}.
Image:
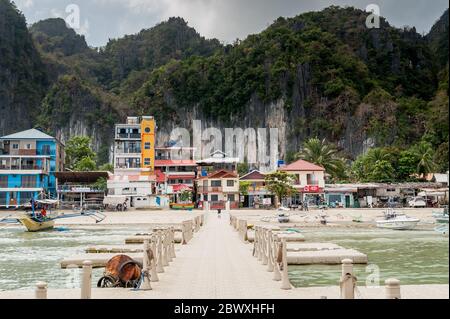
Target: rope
{"x":354,"y":279}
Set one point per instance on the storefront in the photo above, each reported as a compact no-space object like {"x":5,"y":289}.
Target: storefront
{"x":341,"y":197}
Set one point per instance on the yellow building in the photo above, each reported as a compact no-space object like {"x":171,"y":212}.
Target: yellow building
{"x":148,"y":141}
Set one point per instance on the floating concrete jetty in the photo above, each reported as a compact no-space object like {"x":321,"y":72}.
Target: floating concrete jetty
{"x":290,"y":236}
{"x":311,"y":246}
{"x":118,"y":249}
{"x":325,"y":257}
{"x":139,"y":239}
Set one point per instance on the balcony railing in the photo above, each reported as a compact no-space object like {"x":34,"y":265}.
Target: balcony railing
{"x":128,"y":135}
{"x":203,"y":189}
{"x":135,"y":150}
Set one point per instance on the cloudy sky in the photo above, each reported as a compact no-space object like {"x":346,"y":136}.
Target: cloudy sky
{"x":226,"y":20}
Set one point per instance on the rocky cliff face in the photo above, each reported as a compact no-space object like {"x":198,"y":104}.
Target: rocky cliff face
{"x":22,"y":75}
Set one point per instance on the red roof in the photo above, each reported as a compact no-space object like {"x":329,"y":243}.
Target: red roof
{"x":180,"y":187}
{"x":254,"y":175}
{"x":162,"y":163}
{"x":160,"y":176}
{"x":221,"y":174}
{"x":302,"y":165}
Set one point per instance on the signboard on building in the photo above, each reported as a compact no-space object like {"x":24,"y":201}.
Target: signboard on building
{"x":267,"y":201}
{"x":311,"y":189}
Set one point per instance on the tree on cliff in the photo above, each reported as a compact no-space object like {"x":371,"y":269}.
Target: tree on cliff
{"x":79,"y":154}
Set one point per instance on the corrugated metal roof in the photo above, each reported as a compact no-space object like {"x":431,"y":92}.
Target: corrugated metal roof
{"x":32,"y":134}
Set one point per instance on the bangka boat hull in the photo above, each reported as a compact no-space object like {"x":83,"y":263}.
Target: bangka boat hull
{"x":182,"y":206}
{"x":35,"y":226}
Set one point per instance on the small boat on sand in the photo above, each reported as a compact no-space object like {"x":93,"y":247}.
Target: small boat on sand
{"x":396,"y":221}
{"x":441,"y":218}
{"x":40,"y":221}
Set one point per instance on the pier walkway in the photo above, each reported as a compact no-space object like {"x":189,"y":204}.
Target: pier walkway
{"x":217,"y":265}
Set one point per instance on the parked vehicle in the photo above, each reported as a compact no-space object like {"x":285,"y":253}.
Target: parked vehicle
{"x":417,"y":202}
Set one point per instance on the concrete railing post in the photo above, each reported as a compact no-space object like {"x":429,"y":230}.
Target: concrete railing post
{"x":393,"y":289}
{"x":260,"y":252}
{"x":276,"y":252}
{"x":159,"y":262}
{"x":172,"y":243}
{"x":270,"y":261}
{"x":41,"y":290}
{"x":167,"y":247}
{"x":285,"y":284}
{"x":347,"y":283}
{"x":228,"y":207}
{"x":265,"y":259}
{"x":146,"y":267}
{"x":153,"y":272}
{"x":86,"y":280}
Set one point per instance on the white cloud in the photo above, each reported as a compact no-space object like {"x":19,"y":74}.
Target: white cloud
{"x":222,"y":19}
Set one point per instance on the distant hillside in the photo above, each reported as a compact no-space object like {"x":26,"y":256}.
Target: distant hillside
{"x":317,"y":74}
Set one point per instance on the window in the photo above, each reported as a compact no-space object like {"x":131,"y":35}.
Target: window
{"x":216,"y":183}
{"x":46,"y":150}
{"x":15,"y":146}
{"x":230,"y":183}
{"x":28,"y":181}
{"x":3,"y":181}
{"x":214,"y":198}
{"x":312,"y":179}
{"x":148,"y":146}
{"x":28,"y":146}
{"x":231,"y":197}
{"x":391,"y":190}
{"x":147,"y":130}
{"x":147,"y":161}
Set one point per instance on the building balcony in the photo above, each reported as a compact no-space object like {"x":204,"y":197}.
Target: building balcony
{"x":25,"y":152}
{"x":128,"y":136}
{"x":203,"y":189}
{"x":136,"y":150}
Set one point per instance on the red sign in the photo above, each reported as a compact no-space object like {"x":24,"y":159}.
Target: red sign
{"x":311,"y":189}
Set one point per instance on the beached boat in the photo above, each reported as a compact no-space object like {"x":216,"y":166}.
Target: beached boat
{"x":35,"y":221}
{"x":396,"y":221}
{"x":34,"y":224}
{"x":441,"y":218}
{"x":188,"y":206}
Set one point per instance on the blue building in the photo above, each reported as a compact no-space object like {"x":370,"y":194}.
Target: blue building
{"x":28,"y":163}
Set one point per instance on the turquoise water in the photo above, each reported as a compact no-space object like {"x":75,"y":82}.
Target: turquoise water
{"x":413,"y":257}
{"x":26,"y":258}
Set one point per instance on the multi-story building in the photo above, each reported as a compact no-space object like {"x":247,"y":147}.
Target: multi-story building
{"x":28,"y":163}
{"x":134,"y":158}
{"x":218,"y":188}
{"x":309,"y":181}
{"x":178,"y":167}
{"x":257,"y":195}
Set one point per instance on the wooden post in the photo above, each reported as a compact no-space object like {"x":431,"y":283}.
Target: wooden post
{"x":41,"y":290}
{"x":285,"y":284}
{"x":393,"y":289}
{"x":153,"y":272}
{"x":86,"y":283}
{"x":347,"y":282}
{"x":146,"y":267}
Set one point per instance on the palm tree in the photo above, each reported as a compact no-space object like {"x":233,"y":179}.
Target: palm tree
{"x":377,"y":155}
{"x":323,"y":154}
{"x":425,"y":154}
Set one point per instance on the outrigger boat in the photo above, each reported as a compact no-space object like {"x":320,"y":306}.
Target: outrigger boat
{"x":35,"y":222}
